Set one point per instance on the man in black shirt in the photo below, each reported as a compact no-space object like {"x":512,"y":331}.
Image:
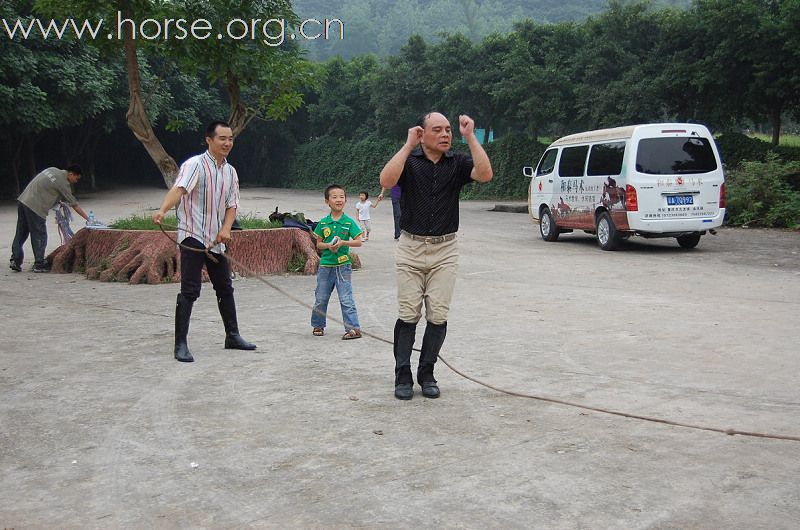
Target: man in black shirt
{"x":431,"y":178}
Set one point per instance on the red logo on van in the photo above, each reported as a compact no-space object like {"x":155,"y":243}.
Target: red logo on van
{"x":540,"y":185}
{"x":680,"y":181}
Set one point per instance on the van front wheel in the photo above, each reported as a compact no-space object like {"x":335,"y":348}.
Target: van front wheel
{"x":547,"y":226}
{"x":689,"y":240}
{"x":607,"y":236}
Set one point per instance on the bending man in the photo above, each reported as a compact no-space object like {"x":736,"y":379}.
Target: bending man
{"x":40,"y":195}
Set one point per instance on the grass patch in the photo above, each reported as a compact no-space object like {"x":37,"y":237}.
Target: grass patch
{"x":252,"y":222}
{"x":297,"y":263}
{"x":789,"y":140}
{"x":141,"y":222}
{"x":145,"y":222}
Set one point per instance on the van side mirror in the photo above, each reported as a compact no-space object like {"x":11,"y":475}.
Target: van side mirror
{"x":527,"y":171}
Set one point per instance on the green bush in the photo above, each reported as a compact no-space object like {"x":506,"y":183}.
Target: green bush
{"x":354,"y":164}
{"x":734,"y":148}
{"x":759,"y":194}
{"x":508,"y":156}
{"x":788,"y":152}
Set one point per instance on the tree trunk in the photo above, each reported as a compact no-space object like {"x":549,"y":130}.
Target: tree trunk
{"x":138,"y":121}
{"x":14,"y":163}
{"x":240,"y":116}
{"x":776,"y":126}
{"x":91,"y":158}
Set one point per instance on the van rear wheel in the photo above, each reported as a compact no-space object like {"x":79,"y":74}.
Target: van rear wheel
{"x":607,"y":236}
{"x":547,"y":226}
{"x":689,"y":240}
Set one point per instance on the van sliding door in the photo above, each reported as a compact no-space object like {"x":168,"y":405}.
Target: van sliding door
{"x":571,"y":210}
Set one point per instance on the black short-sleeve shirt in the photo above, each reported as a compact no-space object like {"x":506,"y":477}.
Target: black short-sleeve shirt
{"x":429,"y":199}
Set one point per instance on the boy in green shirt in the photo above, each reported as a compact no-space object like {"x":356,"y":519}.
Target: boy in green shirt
{"x":336,"y":233}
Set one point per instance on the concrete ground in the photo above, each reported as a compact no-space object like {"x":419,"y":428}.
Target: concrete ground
{"x":101,"y":428}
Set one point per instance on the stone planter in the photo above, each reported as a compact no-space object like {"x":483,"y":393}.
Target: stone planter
{"x":144,"y":256}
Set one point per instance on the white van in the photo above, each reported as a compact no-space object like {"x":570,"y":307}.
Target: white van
{"x":656,"y":180}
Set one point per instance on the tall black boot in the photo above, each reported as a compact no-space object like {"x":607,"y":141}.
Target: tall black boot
{"x":183,"y":312}
{"x":404,"y":334}
{"x":431,"y":344}
{"x":233,"y":341}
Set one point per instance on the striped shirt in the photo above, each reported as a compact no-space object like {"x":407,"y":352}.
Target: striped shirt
{"x":210,"y":190}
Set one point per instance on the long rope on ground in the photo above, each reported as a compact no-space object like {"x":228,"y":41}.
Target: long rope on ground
{"x":556,"y":401}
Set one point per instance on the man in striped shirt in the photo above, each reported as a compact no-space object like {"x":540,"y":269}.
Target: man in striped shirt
{"x":207,"y":196}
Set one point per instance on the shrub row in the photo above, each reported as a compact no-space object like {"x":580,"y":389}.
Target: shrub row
{"x":356,"y":165}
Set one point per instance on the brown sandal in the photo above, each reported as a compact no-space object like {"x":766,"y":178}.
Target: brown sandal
{"x":318,"y":332}
{"x":352,"y":334}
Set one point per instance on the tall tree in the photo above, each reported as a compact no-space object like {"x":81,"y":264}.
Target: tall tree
{"x":258,"y":62}
{"x":613,"y":83}
{"x":343,"y":108}
{"x":776,"y":64}
{"x":735,"y":59}
{"x":261,"y":72}
{"x":536,"y":88}
{"x":403,"y":90}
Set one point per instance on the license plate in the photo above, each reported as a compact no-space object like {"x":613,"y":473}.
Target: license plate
{"x":679,"y":200}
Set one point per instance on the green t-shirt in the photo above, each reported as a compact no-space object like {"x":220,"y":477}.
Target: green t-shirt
{"x":345,"y":229}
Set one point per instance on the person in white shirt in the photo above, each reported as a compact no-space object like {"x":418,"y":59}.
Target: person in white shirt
{"x":362,"y":206}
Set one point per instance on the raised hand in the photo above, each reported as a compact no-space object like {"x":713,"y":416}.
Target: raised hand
{"x":466,"y":125}
{"x":415,"y":135}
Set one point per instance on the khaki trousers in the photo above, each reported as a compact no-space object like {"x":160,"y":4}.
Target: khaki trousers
{"x":426,"y":273}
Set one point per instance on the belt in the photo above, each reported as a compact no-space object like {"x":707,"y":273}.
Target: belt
{"x":433,"y":240}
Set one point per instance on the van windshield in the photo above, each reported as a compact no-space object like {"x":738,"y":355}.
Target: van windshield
{"x":678,"y":155}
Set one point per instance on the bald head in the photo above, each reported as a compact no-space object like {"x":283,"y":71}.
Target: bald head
{"x":437,"y":135}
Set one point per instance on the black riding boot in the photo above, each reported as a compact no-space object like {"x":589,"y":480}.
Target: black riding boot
{"x":233,"y":341}
{"x":183,"y":312}
{"x":404,"y":333}
{"x":431,"y":344}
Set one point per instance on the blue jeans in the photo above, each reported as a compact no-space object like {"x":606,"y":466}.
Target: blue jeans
{"x":327,"y":278}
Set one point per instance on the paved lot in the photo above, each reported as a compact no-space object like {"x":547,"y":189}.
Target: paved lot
{"x":101,"y":428}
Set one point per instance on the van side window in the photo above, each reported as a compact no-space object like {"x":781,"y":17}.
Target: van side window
{"x":573,"y":160}
{"x":606,"y":159}
{"x":675,"y":155}
{"x":548,"y":162}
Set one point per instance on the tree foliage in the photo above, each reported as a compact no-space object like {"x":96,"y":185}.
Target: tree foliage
{"x":260,"y":79}
{"x":47,"y":85}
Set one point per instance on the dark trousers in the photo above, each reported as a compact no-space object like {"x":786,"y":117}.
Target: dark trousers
{"x":192,"y":269}
{"x":396,"y":213}
{"x":28,"y":223}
